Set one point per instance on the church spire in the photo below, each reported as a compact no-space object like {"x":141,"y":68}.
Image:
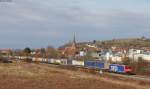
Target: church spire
{"x":74,"y":39}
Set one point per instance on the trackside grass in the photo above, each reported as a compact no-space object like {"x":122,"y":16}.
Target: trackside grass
{"x":21,"y":75}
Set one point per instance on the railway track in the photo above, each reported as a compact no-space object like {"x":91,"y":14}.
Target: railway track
{"x":134,"y":77}
{"x":95,"y":71}
{"x":138,"y":77}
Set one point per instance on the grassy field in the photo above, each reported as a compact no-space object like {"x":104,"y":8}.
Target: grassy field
{"x":45,"y":76}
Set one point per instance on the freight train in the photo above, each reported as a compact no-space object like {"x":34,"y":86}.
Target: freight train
{"x":92,"y":64}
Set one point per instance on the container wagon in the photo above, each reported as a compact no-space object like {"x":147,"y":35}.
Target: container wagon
{"x":63,"y":61}
{"x":89,"y":64}
{"x":69,"y":62}
{"x":78,"y":63}
{"x":96,"y":64}
{"x":51,"y":60}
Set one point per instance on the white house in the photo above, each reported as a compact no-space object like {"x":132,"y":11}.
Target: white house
{"x":136,"y":54}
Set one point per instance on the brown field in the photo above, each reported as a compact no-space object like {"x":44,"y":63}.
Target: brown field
{"x":45,"y":76}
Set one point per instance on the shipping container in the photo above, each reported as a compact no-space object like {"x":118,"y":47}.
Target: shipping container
{"x":36,"y":59}
{"x":58,"y":61}
{"x":69,"y":62}
{"x":51,"y":60}
{"x":33,"y":59}
{"x":96,"y":64}
{"x":43,"y":60}
{"x":77,"y":63}
{"x":89,"y":64}
{"x":99,"y":65}
{"x":64,"y":61}
{"x":39,"y":59}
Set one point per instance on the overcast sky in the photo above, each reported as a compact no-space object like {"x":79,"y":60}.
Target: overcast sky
{"x":38,"y":23}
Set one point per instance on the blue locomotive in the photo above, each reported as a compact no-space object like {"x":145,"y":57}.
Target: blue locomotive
{"x":120,"y":68}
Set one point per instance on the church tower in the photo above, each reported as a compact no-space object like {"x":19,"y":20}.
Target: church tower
{"x":73,"y":47}
{"x":70,"y":50}
{"x":74,"y":40}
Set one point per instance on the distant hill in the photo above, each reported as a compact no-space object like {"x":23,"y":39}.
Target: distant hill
{"x":124,"y":43}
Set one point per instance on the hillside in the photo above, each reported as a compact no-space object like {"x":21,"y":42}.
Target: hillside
{"x":124,"y":43}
